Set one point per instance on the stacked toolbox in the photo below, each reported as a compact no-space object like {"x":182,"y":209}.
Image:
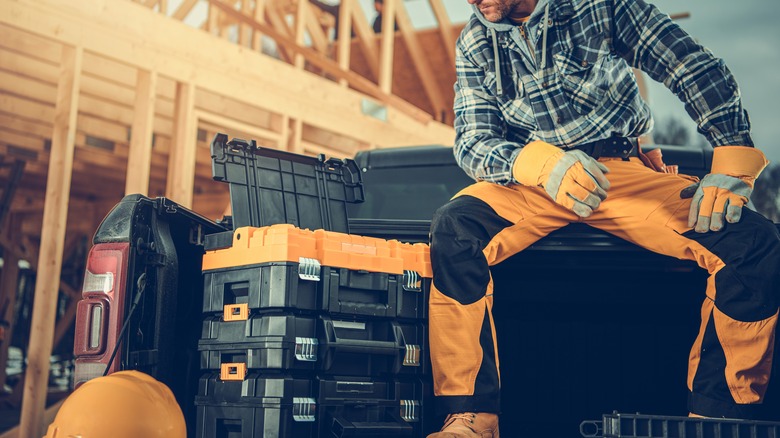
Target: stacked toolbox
{"x":309,"y":333}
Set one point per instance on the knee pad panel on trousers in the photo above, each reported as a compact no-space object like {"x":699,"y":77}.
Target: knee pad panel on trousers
{"x":460,"y":230}
{"x":748,"y":286}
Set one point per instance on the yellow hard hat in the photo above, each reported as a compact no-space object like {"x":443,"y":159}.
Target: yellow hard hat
{"x":121,"y":405}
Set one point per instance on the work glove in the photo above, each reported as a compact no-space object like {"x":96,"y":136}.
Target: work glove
{"x":572,"y":178}
{"x":726,"y":189}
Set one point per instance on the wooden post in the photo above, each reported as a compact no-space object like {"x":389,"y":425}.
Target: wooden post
{"x":345,"y":37}
{"x":244,"y":30}
{"x":9,"y":284}
{"x":212,"y":20}
{"x":296,"y":134}
{"x":386,"y":52}
{"x":181,"y":160}
{"x":139,"y":158}
{"x":300,"y":27}
{"x":55,"y":216}
{"x":257,"y":37}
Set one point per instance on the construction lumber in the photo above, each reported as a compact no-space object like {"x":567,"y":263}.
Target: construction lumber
{"x":181,"y":161}
{"x":52,"y":239}
{"x":387,"y":42}
{"x":184,"y":53}
{"x":139,"y":160}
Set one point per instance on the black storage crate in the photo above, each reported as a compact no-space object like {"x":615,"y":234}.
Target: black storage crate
{"x":283,"y":406}
{"x":350,"y":407}
{"x":259,"y":406}
{"x":284,"y":342}
{"x":269,"y":186}
{"x":339,"y":291}
{"x":618,"y":425}
{"x":265,"y":286}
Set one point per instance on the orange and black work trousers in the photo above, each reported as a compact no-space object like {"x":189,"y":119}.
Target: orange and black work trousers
{"x":730,"y":362}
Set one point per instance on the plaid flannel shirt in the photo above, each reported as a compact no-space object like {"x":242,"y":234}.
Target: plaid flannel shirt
{"x":582,"y":88}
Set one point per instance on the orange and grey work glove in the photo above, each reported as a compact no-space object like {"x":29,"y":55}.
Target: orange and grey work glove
{"x":727,"y":188}
{"x":572,"y":178}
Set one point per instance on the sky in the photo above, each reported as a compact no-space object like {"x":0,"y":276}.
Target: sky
{"x":744,"y":33}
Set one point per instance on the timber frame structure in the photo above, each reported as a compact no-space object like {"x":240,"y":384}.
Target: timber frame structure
{"x":103,"y":98}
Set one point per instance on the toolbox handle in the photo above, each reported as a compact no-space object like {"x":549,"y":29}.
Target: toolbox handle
{"x":387,"y":348}
{"x":342,"y":428}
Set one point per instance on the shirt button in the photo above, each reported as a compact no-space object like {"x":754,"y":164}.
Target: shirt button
{"x":545,"y":84}
{"x":559,"y":120}
{"x":584,"y":63}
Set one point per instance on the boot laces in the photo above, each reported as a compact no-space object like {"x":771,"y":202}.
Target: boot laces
{"x":466,"y":417}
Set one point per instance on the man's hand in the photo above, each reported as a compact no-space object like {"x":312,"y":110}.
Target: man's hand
{"x":572,"y":178}
{"x":726,"y":189}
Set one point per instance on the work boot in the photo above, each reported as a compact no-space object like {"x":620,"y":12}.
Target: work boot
{"x":469,"y":425}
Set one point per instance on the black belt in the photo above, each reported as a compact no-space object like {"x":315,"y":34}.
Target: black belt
{"x":613,"y":147}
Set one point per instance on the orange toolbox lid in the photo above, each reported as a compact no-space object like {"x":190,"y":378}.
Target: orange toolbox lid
{"x":286,"y":243}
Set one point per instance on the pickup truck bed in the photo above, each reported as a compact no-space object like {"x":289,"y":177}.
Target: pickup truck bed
{"x":570,"y":349}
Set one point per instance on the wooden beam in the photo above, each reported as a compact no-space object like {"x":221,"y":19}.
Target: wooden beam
{"x":318,"y":38}
{"x":300,"y":28}
{"x":140,"y":158}
{"x":277,"y":22}
{"x":52,"y":238}
{"x":386,"y":43}
{"x":184,"y":9}
{"x":186,"y":54}
{"x":181,"y":161}
{"x":296,"y":133}
{"x":345,"y":37}
{"x":358,"y":82}
{"x":232,"y":124}
{"x":420,"y":61}
{"x":257,"y":36}
{"x":366,"y":39}
{"x":445,"y":28}
{"x":245,"y":31}
{"x":212,"y":20}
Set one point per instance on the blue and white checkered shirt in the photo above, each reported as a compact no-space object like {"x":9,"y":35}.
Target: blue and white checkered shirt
{"x":571,"y":83}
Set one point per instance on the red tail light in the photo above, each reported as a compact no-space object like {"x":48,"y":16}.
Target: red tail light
{"x":100,"y":313}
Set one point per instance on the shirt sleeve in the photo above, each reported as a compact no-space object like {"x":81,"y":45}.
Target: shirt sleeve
{"x":482,"y":147}
{"x":649,"y":40}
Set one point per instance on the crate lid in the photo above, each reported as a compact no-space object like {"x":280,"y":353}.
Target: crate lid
{"x":287,"y":243}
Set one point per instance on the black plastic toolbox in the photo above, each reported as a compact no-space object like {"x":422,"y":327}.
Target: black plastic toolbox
{"x":268,"y":186}
{"x":258,"y":406}
{"x":309,"y":287}
{"x":272,"y":285}
{"x":284,"y":342}
{"x":283,"y":406}
{"x":618,"y":425}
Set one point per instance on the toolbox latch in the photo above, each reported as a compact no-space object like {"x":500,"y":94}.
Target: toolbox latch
{"x":309,"y":269}
{"x":306,"y":349}
{"x":236,"y":312}
{"x":412,"y":356}
{"x":410,"y":410}
{"x":232,"y":371}
{"x":412,"y":281}
{"x":304,"y":409}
